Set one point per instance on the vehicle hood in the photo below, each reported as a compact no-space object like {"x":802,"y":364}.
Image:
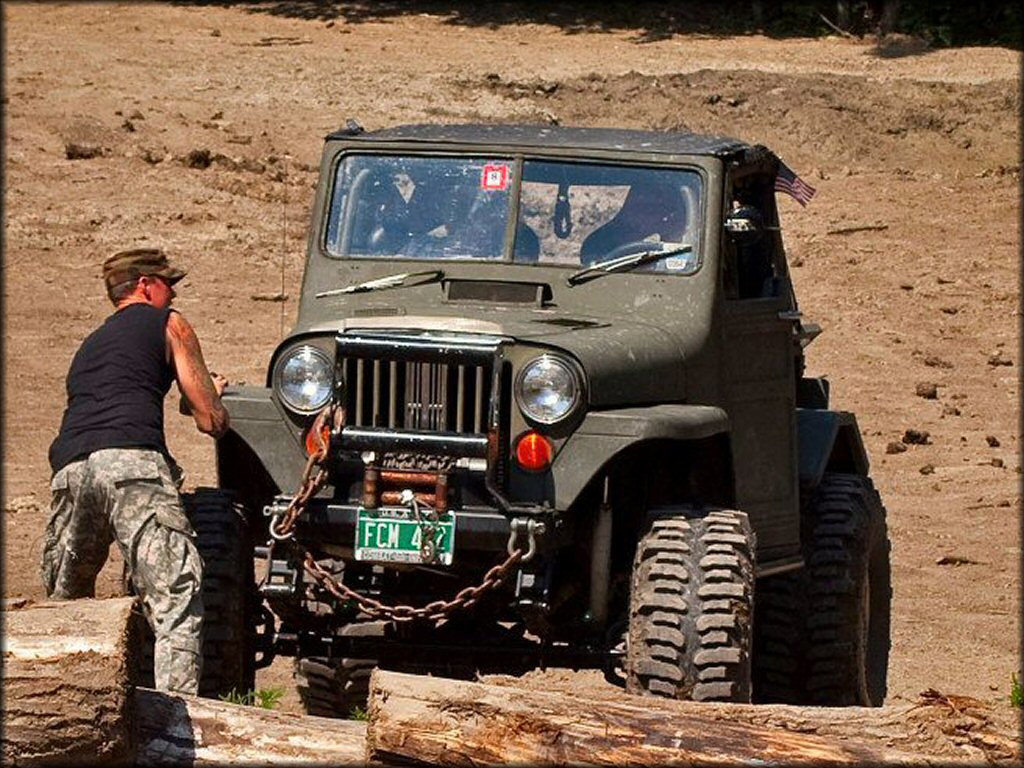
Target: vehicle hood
{"x":627,"y":361}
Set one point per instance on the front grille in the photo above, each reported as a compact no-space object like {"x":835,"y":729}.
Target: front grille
{"x":427,"y":401}
{"x":417,"y":395}
{"x":419,"y":382}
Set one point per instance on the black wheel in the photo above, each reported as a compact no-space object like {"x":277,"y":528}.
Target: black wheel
{"x":779,"y":643}
{"x":229,"y":597}
{"x":823,"y":632}
{"x":849,"y":589}
{"x":690,"y":609}
{"x":337,"y":687}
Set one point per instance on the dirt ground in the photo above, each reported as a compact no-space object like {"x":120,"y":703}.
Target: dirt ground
{"x":199,"y":129}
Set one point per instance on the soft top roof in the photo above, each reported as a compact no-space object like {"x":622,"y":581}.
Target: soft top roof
{"x":541,"y":136}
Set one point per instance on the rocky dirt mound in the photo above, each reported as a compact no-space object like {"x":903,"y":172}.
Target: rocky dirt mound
{"x":826,"y":119}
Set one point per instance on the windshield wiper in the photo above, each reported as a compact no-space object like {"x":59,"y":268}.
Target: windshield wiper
{"x":391,"y":281}
{"x":625,"y":263}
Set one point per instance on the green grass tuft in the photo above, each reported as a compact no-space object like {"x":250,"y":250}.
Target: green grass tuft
{"x":358,"y":713}
{"x":265,"y":698}
{"x":1016,"y":694}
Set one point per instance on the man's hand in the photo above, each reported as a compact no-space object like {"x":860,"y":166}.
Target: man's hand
{"x":219,"y":382}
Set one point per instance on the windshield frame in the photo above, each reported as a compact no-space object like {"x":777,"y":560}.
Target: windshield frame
{"x":515,"y":161}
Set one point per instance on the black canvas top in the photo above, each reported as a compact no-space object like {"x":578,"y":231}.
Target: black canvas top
{"x":548,"y":136}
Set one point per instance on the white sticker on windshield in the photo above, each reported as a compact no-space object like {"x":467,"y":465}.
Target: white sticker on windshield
{"x":677,"y":263}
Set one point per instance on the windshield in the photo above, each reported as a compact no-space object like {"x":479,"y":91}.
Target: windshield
{"x":459,"y":208}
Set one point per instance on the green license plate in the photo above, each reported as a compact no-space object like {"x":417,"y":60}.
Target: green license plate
{"x":394,"y":536}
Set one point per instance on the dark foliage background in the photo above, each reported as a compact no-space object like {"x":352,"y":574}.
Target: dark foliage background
{"x":939,"y":23}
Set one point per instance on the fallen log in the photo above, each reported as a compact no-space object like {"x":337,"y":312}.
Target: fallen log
{"x":188,"y":730}
{"x":435,"y":721}
{"x":70,"y":699}
{"x":67,"y":670}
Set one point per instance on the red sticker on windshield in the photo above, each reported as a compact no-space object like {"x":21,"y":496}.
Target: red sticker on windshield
{"x":494,"y":177}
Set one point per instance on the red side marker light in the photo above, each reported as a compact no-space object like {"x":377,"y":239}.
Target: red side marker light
{"x":533,"y":451}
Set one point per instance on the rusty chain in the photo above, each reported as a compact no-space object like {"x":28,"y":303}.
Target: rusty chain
{"x":311,"y":482}
{"x":314,"y":476}
{"x":434,"y":611}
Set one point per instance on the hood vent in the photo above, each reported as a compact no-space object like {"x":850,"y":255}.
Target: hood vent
{"x":497,"y":291}
{"x":377,"y":311}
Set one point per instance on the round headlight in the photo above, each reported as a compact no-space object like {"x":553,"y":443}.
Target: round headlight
{"x":547,"y":389}
{"x":303,"y":379}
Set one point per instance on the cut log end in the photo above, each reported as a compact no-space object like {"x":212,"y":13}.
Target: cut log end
{"x":67,"y":677}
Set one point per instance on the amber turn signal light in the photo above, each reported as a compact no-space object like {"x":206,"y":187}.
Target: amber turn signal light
{"x":312,"y":445}
{"x":533,"y":451}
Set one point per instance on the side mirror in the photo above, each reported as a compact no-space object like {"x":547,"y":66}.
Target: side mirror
{"x":745,"y":225}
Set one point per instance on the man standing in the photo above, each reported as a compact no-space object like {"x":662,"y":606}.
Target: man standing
{"x":114,"y":479}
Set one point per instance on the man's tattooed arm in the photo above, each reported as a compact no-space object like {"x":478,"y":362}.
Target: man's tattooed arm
{"x":194,"y":380}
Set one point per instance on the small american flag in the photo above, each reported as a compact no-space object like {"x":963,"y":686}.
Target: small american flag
{"x":788,"y":182}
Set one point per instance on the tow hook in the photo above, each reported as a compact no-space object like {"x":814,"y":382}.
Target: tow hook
{"x":276,"y":511}
{"x":531,"y":528}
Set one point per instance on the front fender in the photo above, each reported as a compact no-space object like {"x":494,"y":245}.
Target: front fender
{"x":829,"y":441}
{"x":265,"y":430}
{"x":604,"y":434}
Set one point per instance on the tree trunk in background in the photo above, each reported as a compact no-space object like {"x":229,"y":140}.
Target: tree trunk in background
{"x":886,"y":21}
{"x":844,"y":16}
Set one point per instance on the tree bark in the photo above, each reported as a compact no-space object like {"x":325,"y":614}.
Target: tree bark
{"x":442,"y":722}
{"x":67,"y":677}
{"x":188,"y":730}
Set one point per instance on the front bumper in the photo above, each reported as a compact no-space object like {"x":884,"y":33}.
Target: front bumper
{"x":333,"y":526}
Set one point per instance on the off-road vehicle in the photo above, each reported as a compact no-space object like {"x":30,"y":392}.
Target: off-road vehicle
{"x":544,"y":404}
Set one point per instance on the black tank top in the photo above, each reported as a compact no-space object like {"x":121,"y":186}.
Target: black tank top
{"x":116,"y":387}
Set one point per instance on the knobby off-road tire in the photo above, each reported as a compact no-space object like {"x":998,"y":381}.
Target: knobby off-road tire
{"x":691,"y":602}
{"x":823,"y":633}
{"x":229,"y":596}
{"x":780,"y":652}
{"x":337,"y":687}
{"x":850,"y":591}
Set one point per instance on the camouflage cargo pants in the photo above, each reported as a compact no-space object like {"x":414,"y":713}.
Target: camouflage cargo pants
{"x":128,"y":495}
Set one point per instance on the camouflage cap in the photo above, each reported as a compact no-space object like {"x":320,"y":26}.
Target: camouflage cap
{"x":128,"y":265}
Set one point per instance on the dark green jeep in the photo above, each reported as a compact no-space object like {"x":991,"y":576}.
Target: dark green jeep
{"x":544,"y":405}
